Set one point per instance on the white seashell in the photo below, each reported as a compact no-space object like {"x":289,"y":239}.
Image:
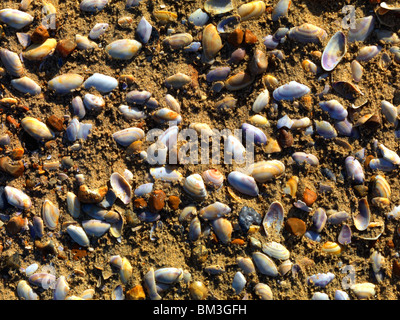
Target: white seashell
{"x":166,"y":174}
{"x":73,"y":205}
{"x":12,"y":63}
{"x":364,"y":290}
{"x":276,"y":250}
{"x":263,"y":171}
{"x":98,"y":30}
{"x":78,"y":235}
{"x":24,"y":39}
{"x":84,"y":43}
{"x":389,"y":155}
{"x":93,"y":5}
{"x":93,"y":102}
{"x":26,"y":85}
{"x":121,"y":187}
{"x":101,"y":83}
{"x":62,"y":289}
{"x":251,"y":10}
{"x":123,"y":49}
{"x":50,"y":214}
{"x":194,"y":186}
{"x":290,"y":91}
{"x":131,"y":113}
{"x":390,"y":112}
{"x":95,"y":228}
{"x":17,"y":198}
{"x":36,"y":129}
{"x":263,"y":291}
{"x":126,"y":136}
{"x":234,"y":149}
{"x":261,"y":101}
{"x":25,"y":292}
{"x":65,"y":83}
{"x":15,"y":18}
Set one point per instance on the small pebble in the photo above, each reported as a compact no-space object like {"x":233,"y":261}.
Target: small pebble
{"x":136,"y":293}
{"x":157,"y":201}
{"x":65,"y":47}
{"x":55,"y":123}
{"x":17,"y":153}
{"x":173,"y":202}
{"x":247,"y":217}
{"x":139,"y":203}
{"x":296,"y":226}
{"x":309,"y":197}
{"x":249,"y":37}
{"x":15,"y":225}
{"x":40,"y":35}
{"x":235,"y":38}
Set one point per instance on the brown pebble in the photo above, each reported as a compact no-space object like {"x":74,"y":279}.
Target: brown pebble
{"x":40,"y":34}
{"x":296,"y":226}
{"x":396,"y":268}
{"x":136,"y":293}
{"x":361,"y":190}
{"x":285,"y":138}
{"x":390,"y":243}
{"x":51,"y":144}
{"x":86,"y":195}
{"x":235,"y":38}
{"x":65,"y":47}
{"x":249,"y":37}
{"x":14,"y":168}
{"x":15,"y":225}
{"x":309,"y":197}
{"x":17,"y":153}
{"x":55,"y":123}
{"x":157,"y":201}
{"x":173,"y":202}
{"x":139,"y":203}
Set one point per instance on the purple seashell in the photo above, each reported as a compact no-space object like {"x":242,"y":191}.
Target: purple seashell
{"x":341,"y":295}
{"x":243,"y":183}
{"x":319,"y":219}
{"x":84,"y":130}
{"x":312,"y":235}
{"x":5,"y":139}
{"x":307,"y":33}
{"x":334,"y":108}
{"x":78,"y":107}
{"x":218,"y":74}
{"x":147,"y":216}
{"x":72,"y":130}
{"x":344,"y":236}
{"x":280,"y":34}
{"x":237,"y":56}
{"x":290,"y":91}
{"x":132,"y":3}
{"x":338,"y":217}
{"x":270,"y":42}
{"x":144,"y":30}
{"x":345,"y":128}
{"x":143,"y":189}
{"x":368,"y":52}
{"x":321,"y":279}
{"x":354,"y":170}
{"x":301,"y":157}
{"x":363,"y":217}
{"x":193,"y":47}
{"x":334,"y":51}
{"x":137,"y":97}
{"x":273,"y":219}
{"x":363,"y":28}
{"x":254,"y":134}
{"x":228,"y":24}
{"x":382,"y":164}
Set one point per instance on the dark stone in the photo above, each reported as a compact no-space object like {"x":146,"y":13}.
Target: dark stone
{"x":3,"y":199}
{"x":247,"y":217}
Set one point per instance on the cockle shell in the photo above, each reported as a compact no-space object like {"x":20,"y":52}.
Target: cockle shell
{"x":36,"y":129}
{"x":307,"y":32}
{"x":276,"y":250}
{"x":194,"y":186}
{"x":37,"y":52}
{"x":93,"y":5}
{"x":211,"y":43}
{"x":123,"y":49}
{"x":15,"y":18}
{"x":213,"y":178}
{"x":121,"y":187}
{"x":17,"y":198}
{"x":12,"y":63}
{"x":50,"y":214}
{"x":251,"y":10}
{"x":290,"y":91}
{"x":243,"y":183}
{"x":26,"y":85}
{"x":334,"y":51}
{"x":263,"y":171}
{"x":65,"y":83}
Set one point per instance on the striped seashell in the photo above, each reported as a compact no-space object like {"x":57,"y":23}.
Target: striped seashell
{"x":93,"y":102}
{"x":281,"y":9}
{"x":302,"y":157}
{"x":218,"y":6}
{"x":253,"y":134}
{"x":144,"y":30}
{"x":165,"y":174}
{"x":263,"y":291}
{"x":168,"y":275}
{"x":243,"y":183}
{"x":363,"y":290}
{"x":177,"y":81}
{"x":164,"y":16}
{"x":321,"y":279}
{"x":344,"y":236}
{"x":125,"y":272}
{"x":276,"y":250}
{"x":131,"y":113}
{"x":261,"y":101}
{"x":238,"y":81}
{"x":169,"y":137}
{"x":61,"y":289}
{"x":354,"y":170}
{"x":389,"y":155}
{"x":214,"y":211}
{"x":17,"y":198}
{"x":362,"y":29}
{"x":290,"y":91}
{"x":137,"y":97}
{"x":15,"y":18}
{"x":26,"y":85}
{"x":25,"y":292}
{"x":213,"y":178}
{"x":121,"y":187}
{"x":223,"y":229}
{"x":73,"y":205}
{"x":238,"y":282}
{"x":178,"y":41}
{"x":246,"y":264}
{"x":251,"y":10}
{"x":263,"y":171}
{"x":381,"y":188}
{"x":199,"y":18}
{"x":194,"y":229}
{"x":78,"y":235}
{"x":356,"y":70}
{"x":319,"y":219}
{"x":12,"y":63}
{"x":65,"y":83}
{"x":95,"y":228}
{"x":334,"y":51}
{"x":84,"y":43}
{"x":211,"y":43}
{"x":332,"y":248}
{"x":126,"y":136}
{"x":264,"y":264}
{"x":172,"y":103}
{"x":123,"y":49}
{"x":187,"y":213}
{"x":93,"y":5}
{"x":334,"y":108}
{"x":36,"y":129}
{"x":50,"y":214}
{"x":309,"y":66}
{"x":194,"y":186}
{"x":307,"y":33}
{"x":166,"y":115}
{"x":367,"y":53}
{"x":98,"y":30}
{"x":38,"y":52}
{"x":362,"y":218}
{"x":325,"y":129}
{"x":285,"y":267}
{"x":100,"y":213}
{"x":101,"y":83}
{"x":273,"y":219}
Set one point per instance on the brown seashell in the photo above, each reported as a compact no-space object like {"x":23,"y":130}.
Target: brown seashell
{"x":309,"y":197}
{"x":86,"y":195}
{"x":15,"y":225}
{"x":238,"y":81}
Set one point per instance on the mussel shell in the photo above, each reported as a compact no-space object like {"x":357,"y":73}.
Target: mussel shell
{"x":363,"y":217}
{"x":306,"y":33}
{"x":290,"y":91}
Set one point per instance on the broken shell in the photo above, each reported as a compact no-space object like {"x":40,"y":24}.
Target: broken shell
{"x":290,"y":91}
{"x":194,"y":186}
{"x":273,"y":219}
{"x":165,"y":16}
{"x":166,"y":174}
{"x":251,"y":10}
{"x":263,"y":171}
{"x":121,"y":187}
{"x":234,"y":149}
{"x":281,"y":9}
{"x":78,"y":235}
{"x":123,"y":49}
{"x":86,"y":195}
{"x":319,"y":219}
{"x":50,"y":214}
{"x":37,"y":52}
{"x":363,"y":217}
{"x":43,"y":280}
{"x":15,"y":18}
{"x":291,"y":186}
{"x":362,"y":29}
{"x":12,"y":63}
{"x":65,"y":83}
{"x":389,"y":155}
{"x":243,"y":183}
{"x":36,"y":129}
{"x":218,"y":6}
{"x":17,"y":198}
{"x":265,"y":264}
{"x":25,"y":292}
{"x":126,"y":136}
{"x":321,"y":279}
{"x":211,"y":43}
{"x":334,"y":51}
{"x":125,"y":272}
{"x":26,"y":85}
{"x":306,"y":33}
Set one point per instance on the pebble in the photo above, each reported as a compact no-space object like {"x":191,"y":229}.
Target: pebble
{"x":139,"y":203}
{"x":198,"y":291}
{"x":14,"y":168}
{"x":55,"y":123}
{"x":17,"y":153}
{"x":396,"y":268}
{"x":157,"y":201}
{"x":235,"y":38}
{"x":249,"y":37}
{"x":65,"y":47}
{"x":40,"y":35}
{"x":67,"y":162}
{"x":15,"y":225}
{"x":136,"y":293}
{"x":247,"y":217}
{"x":173,"y":202}
{"x":309,"y":197}
{"x":296,"y":226}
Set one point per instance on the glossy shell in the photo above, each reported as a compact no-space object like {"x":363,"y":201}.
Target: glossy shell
{"x":12,"y":63}
{"x":17,"y":198}
{"x":178,"y":41}
{"x":251,"y":10}
{"x":26,"y":85}
{"x":123,"y":49}
{"x":223,"y":229}
{"x":261,"y":101}
{"x":121,"y":187}
{"x":363,"y":216}
{"x":36,"y":129}
{"x":263,"y":291}
{"x":354,"y":170}
{"x":214,"y":211}
{"x":290,"y":91}
{"x":78,"y":234}
{"x":211,"y":43}
{"x":15,"y":18}
{"x":306,"y":33}
{"x":93,"y":5}
{"x":321,"y":279}
{"x":273,"y":218}
{"x":264,"y":264}
{"x":126,"y":136}
{"x":50,"y":214}
{"x":264,"y":171}
{"x":335,"y":109}
{"x":95,"y":228}
{"x":363,"y":28}
{"x":194,"y":186}
{"x":334,"y":51}
{"x":281,"y":9}
{"x":276,"y":250}
{"x":213,"y":178}
{"x":243,"y":183}
{"x":25,"y":292}
{"x":218,"y":6}
{"x":37,"y":52}
{"x":101,"y":83}
{"x":65,"y":83}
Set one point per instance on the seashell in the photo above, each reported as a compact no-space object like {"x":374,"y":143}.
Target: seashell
{"x":243,"y":183}
{"x":15,"y":18}
{"x":78,"y":107}
{"x":118,"y":293}
{"x":40,"y":51}
{"x":259,"y":120}
{"x":264,"y":264}
{"x":37,"y":227}
{"x":73,"y":205}
{"x":309,"y":66}
{"x":150,"y":284}
{"x":178,"y":40}
{"x":101,"y":83}
{"x":263,"y":171}
{"x":356,"y":70}
{"x":78,"y":235}
{"x":281,"y":9}
{"x":194,"y":186}
{"x":177,"y":80}
{"x":234,"y":148}
{"x":165,"y":16}
{"x":214,"y":211}
{"x":334,"y":51}
{"x":385,"y":61}
{"x":334,"y":108}
{"x":121,"y":187}
{"x":381,"y":187}
{"x":226,"y":103}
{"x":144,"y":30}
{"x":50,"y":214}
{"x":65,"y":83}
{"x":276,"y":250}
{"x":389,"y":155}
{"x":321,"y":279}
{"x":218,"y":74}
{"x":100,"y":213}
{"x":237,"y":56}
{"x":325,"y":129}
{"x":125,"y":272}
{"x":131,"y":113}
{"x":354,"y":170}
{"x":239,"y":282}
{"x":17,"y":198}
{"x":93,"y":102}
{"x":43,"y":279}
{"x":194,"y":229}
{"x":126,"y":136}
{"x":95,"y":228}
{"x":302,"y":157}
{"x":238,"y":81}
{"x":301,"y":123}
{"x":363,"y":290}
{"x":367,"y":53}
{"x":285,"y":267}
{"x":341,"y":295}
{"x":332,"y":248}
{"x":36,"y":129}
{"x":307,"y":33}
{"x":197,"y":290}
{"x":215,"y":7}
{"x":168,"y":275}
{"x":338,"y":217}
{"x":273,"y":219}
{"x":169,"y":137}
{"x":165,"y":174}
{"x":363,"y":28}
{"x":377,"y":261}
{"x":93,"y":6}
{"x":25,"y":292}
{"x":213,"y":178}
{"x":165,"y":114}
{"x":382,"y":164}
{"x":84,"y":43}
{"x":215,"y":269}
{"x":363,"y":217}
{"x":263,"y":291}
{"x":386,"y":36}
{"x":251,"y":10}
{"x":125,"y":22}
{"x":12,"y":63}
{"x":199,"y":18}
{"x":261,"y":101}
{"x":228,"y":24}
{"x":344,"y":236}
{"x":172,"y":103}
{"x":253,"y":134}
{"x":291,"y":186}
{"x":319,"y":219}
{"x":137,"y":97}
{"x":246,"y":264}
{"x":211,"y":43}
{"x":98,"y":30}
{"x":123,"y":49}
{"x":187,"y":213}
{"x":61,"y":289}
{"x":290,"y":91}
{"x":26,"y":85}
{"x":223,"y":229}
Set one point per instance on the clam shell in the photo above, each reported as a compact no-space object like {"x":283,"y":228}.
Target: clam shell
{"x":43,"y":279}
{"x":382,"y":164}
{"x":239,"y":282}
{"x":344,"y":236}
{"x":290,"y":91}
{"x":177,"y":80}
{"x":281,"y":9}
{"x":238,"y":81}
{"x":123,"y":49}
{"x":98,"y":30}
{"x":17,"y":198}
{"x":166,"y":115}
{"x":65,"y":83}
{"x":194,"y":229}
{"x":178,"y":40}
{"x":334,"y":51}
{"x":263,"y":171}
{"x":126,"y":136}
{"x":214,"y":211}
{"x":168,"y":275}
{"x":131,"y":113}
{"x":101,"y":83}
{"x":78,"y":235}
{"x":150,"y":284}
{"x":215,"y":7}
{"x":121,"y":187}
{"x":50,"y":214}
{"x":354,"y":170}
{"x":37,"y":52}
{"x":218,"y":74}
{"x":319,"y":219}
{"x":93,"y":102}
{"x":321,"y":279}
{"x":381,"y":187}
{"x":243,"y":183}
{"x":93,"y":5}
{"x":367,"y":53}
{"x":263,"y":291}
{"x":125,"y":273}
{"x":26,"y":85}
{"x":73,"y":205}
{"x":213,"y":178}
{"x":251,"y":10}
{"x":389,"y":155}
{"x":215,"y":269}
{"x":211,"y":43}
{"x":273,"y":218}
{"x":246,"y":264}
{"x":363,"y":28}
{"x":165,"y":16}
{"x":377,"y":261}
{"x":12,"y":63}
{"x":347,"y":89}
{"x":261,"y":101}
{"x":194,"y":186}
{"x":233,"y":148}
{"x":15,"y":18}
{"x":302,"y":157}
{"x":338,"y":217}
{"x":25,"y":292}
{"x":341,"y":295}
{"x":362,"y":218}
{"x":144,"y":30}
{"x":61,"y":289}
{"x":223,"y":229}
{"x":356,"y":70}
{"x":36,"y":129}
{"x":264,"y":264}
{"x":137,"y":97}
{"x":228,"y":24}
{"x":253,"y":134}
{"x":325,"y":129}
{"x":166,"y":174}
{"x":334,"y":108}
{"x":307,"y":33}
{"x":364,"y":290}
{"x":276,"y":250}
{"x":95,"y":228}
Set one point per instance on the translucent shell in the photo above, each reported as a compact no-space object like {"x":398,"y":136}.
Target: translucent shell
{"x":264,"y":264}
{"x":194,"y":186}
{"x":168,"y":275}
{"x":126,"y":136}
{"x":17,"y":198}
{"x":307,"y":32}
{"x":93,"y":5}
{"x":263,"y":171}
{"x":121,"y":187}
{"x":356,"y":70}
{"x":243,"y":183}
{"x":363,"y":290}
{"x":65,"y":83}
{"x":363,"y":28}
{"x":345,"y":234}
{"x":238,"y":81}
{"x":354,"y":170}
{"x":319,"y":219}
{"x":290,"y":91}
{"x":332,"y":248}
{"x":334,"y":51}
{"x":213,"y":178}
{"x":211,"y":43}
{"x":95,"y":228}
{"x":37,"y":52}
{"x":218,"y":6}
{"x":263,"y":291}
{"x":276,"y":250}
{"x":26,"y":85}
{"x":78,"y":235}
{"x":251,"y":10}
{"x":335,"y":109}
{"x":363,"y":217}
{"x":223,"y":229}
{"x":25,"y":292}
{"x":281,"y":9}
{"x":165,"y":174}
{"x":389,"y":155}
{"x":36,"y":129}
{"x":178,"y":41}
{"x":253,"y":134}
{"x":101,"y":82}
{"x":273,"y":219}
{"x":50,"y":214}
{"x":15,"y":18}
{"x":12,"y":63}
{"x":214,"y":211}
{"x":123,"y":49}
{"x":61,"y":289}
{"x":261,"y":101}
